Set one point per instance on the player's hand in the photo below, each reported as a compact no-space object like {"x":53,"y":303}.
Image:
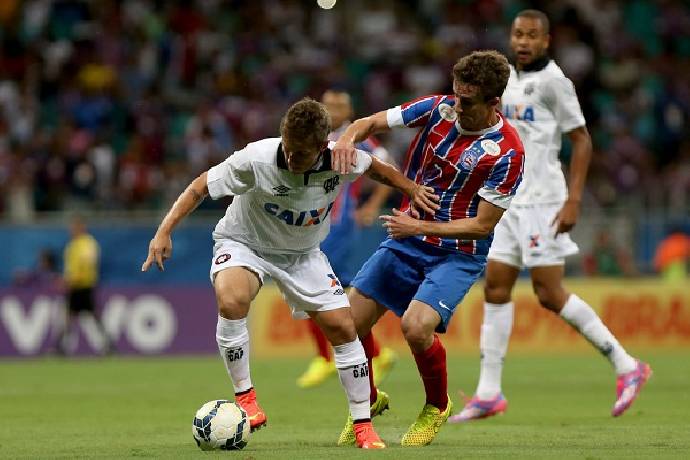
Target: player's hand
{"x":160,"y":249}
{"x":424,"y":198}
{"x":567,"y":217}
{"x":366,"y":215}
{"x":400,"y":225}
{"x":343,"y":156}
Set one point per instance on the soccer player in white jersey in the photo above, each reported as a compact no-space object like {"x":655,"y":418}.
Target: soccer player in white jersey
{"x":348,"y":214}
{"x":284,"y":190}
{"x":541,"y":103}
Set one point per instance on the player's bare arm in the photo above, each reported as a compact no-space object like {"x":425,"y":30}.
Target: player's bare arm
{"x":420,"y":196}
{"x":160,"y":247}
{"x":402,"y":225}
{"x":579,"y":163}
{"x":343,"y":155}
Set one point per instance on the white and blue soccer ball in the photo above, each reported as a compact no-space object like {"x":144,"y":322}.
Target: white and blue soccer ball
{"x":221,"y":425}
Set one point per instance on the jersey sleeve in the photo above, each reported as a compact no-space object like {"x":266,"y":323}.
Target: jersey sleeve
{"x":234,"y":176}
{"x":504,"y":179}
{"x":561,"y":99}
{"x":363,"y":164}
{"x":373,"y":146}
{"x":414,"y":113}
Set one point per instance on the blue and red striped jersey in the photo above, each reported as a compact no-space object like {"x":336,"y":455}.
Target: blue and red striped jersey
{"x":462,"y":166}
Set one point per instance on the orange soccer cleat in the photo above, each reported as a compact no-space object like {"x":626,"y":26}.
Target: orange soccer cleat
{"x":255,"y":414}
{"x":366,"y":437}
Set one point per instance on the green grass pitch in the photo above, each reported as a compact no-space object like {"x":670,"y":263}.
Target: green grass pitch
{"x":143,"y":407}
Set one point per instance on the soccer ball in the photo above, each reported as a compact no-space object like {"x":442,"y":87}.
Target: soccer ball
{"x":221,"y":425}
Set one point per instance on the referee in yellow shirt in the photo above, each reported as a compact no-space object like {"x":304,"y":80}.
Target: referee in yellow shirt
{"x":81,"y":259}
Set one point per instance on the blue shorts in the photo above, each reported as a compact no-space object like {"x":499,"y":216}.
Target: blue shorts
{"x":406,"y":270}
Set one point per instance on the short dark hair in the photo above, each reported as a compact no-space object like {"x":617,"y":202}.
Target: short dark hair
{"x":307,"y":120}
{"x":487,"y":69}
{"x":535,"y":14}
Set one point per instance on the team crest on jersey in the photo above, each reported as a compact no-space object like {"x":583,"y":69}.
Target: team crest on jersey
{"x":490,"y":147}
{"x":529,"y":88}
{"x":470,"y":158}
{"x":331,"y":183}
{"x":447,"y":112}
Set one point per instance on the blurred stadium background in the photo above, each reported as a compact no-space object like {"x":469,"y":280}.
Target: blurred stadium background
{"x":109,"y":108}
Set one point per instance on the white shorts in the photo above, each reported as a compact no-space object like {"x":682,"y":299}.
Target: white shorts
{"x":306,"y":281}
{"x":524,"y":237}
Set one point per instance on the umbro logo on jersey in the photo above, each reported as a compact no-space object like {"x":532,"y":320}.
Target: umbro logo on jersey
{"x":281,"y":190}
{"x":331,"y":183}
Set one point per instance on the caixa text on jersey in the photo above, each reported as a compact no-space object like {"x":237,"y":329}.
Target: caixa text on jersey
{"x":299,"y":218}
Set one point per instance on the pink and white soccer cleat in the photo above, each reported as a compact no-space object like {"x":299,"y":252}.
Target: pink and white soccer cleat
{"x":628,"y":386}
{"x":476,"y":409}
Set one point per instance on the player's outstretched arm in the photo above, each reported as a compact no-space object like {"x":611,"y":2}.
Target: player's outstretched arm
{"x":343,"y":156}
{"x":401,"y":225}
{"x":421,"y":196}
{"x":566,"y":218}
{"x":160,"y":247}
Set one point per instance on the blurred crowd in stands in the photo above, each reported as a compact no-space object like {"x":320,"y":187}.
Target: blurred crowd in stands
{"x":117,"y":104}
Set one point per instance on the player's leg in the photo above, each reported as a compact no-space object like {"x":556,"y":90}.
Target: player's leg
{"x":502,"y":270}
{"x":447,"y":280}
{"x":418,"y":325}
{"x":494,"y":336}
{"x":365,"y":313}
{"x":632,"y":374}
{"x":235,"y":288}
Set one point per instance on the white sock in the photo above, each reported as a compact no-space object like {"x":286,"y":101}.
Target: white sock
{"x":493,"y":344}
{"x":233,"y":344}
{"x":353,"y":371}
{"x":585,"y":320}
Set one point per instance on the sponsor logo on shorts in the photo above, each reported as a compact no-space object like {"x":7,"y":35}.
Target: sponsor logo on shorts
{"x":221,"y":259}
{"x":334,"y":280}
{"x":534,"y":241}
{"x":338,"y":291}
{"x":443,"y":305}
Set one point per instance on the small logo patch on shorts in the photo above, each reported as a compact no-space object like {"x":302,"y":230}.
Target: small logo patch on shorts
{"x":221,"y":259}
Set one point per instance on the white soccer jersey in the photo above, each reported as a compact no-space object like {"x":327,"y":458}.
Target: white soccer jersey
{"x":542,"y":105}
{"x":274,"y":210}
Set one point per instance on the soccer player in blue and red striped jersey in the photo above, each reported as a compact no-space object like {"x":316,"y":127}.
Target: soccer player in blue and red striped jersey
{"x":473,"y":159}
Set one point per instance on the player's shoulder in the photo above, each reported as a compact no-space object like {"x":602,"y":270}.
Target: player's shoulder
{"x":264,"y":150}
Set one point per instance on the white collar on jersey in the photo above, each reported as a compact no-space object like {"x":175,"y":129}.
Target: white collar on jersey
{"x":496,"y":127}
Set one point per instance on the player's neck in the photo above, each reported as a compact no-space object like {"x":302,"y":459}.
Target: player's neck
{"x":537,"y":64}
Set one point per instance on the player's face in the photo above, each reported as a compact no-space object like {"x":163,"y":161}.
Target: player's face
{"x":473,"y":111}
{"x":300,"y":156}
{"x":339,"y":107}
{"x":528,"y":40}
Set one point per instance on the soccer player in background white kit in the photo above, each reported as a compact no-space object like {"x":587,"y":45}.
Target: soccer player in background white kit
{"x":284,"y":189}
{"x":541,"y":103}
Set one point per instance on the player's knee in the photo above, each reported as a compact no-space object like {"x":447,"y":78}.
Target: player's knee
{"x":339,"y":334}
{"x":496,"y":293}
{"x":550,"y":297}
{"x":233,"y":305}
{"x":416,"y":334}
